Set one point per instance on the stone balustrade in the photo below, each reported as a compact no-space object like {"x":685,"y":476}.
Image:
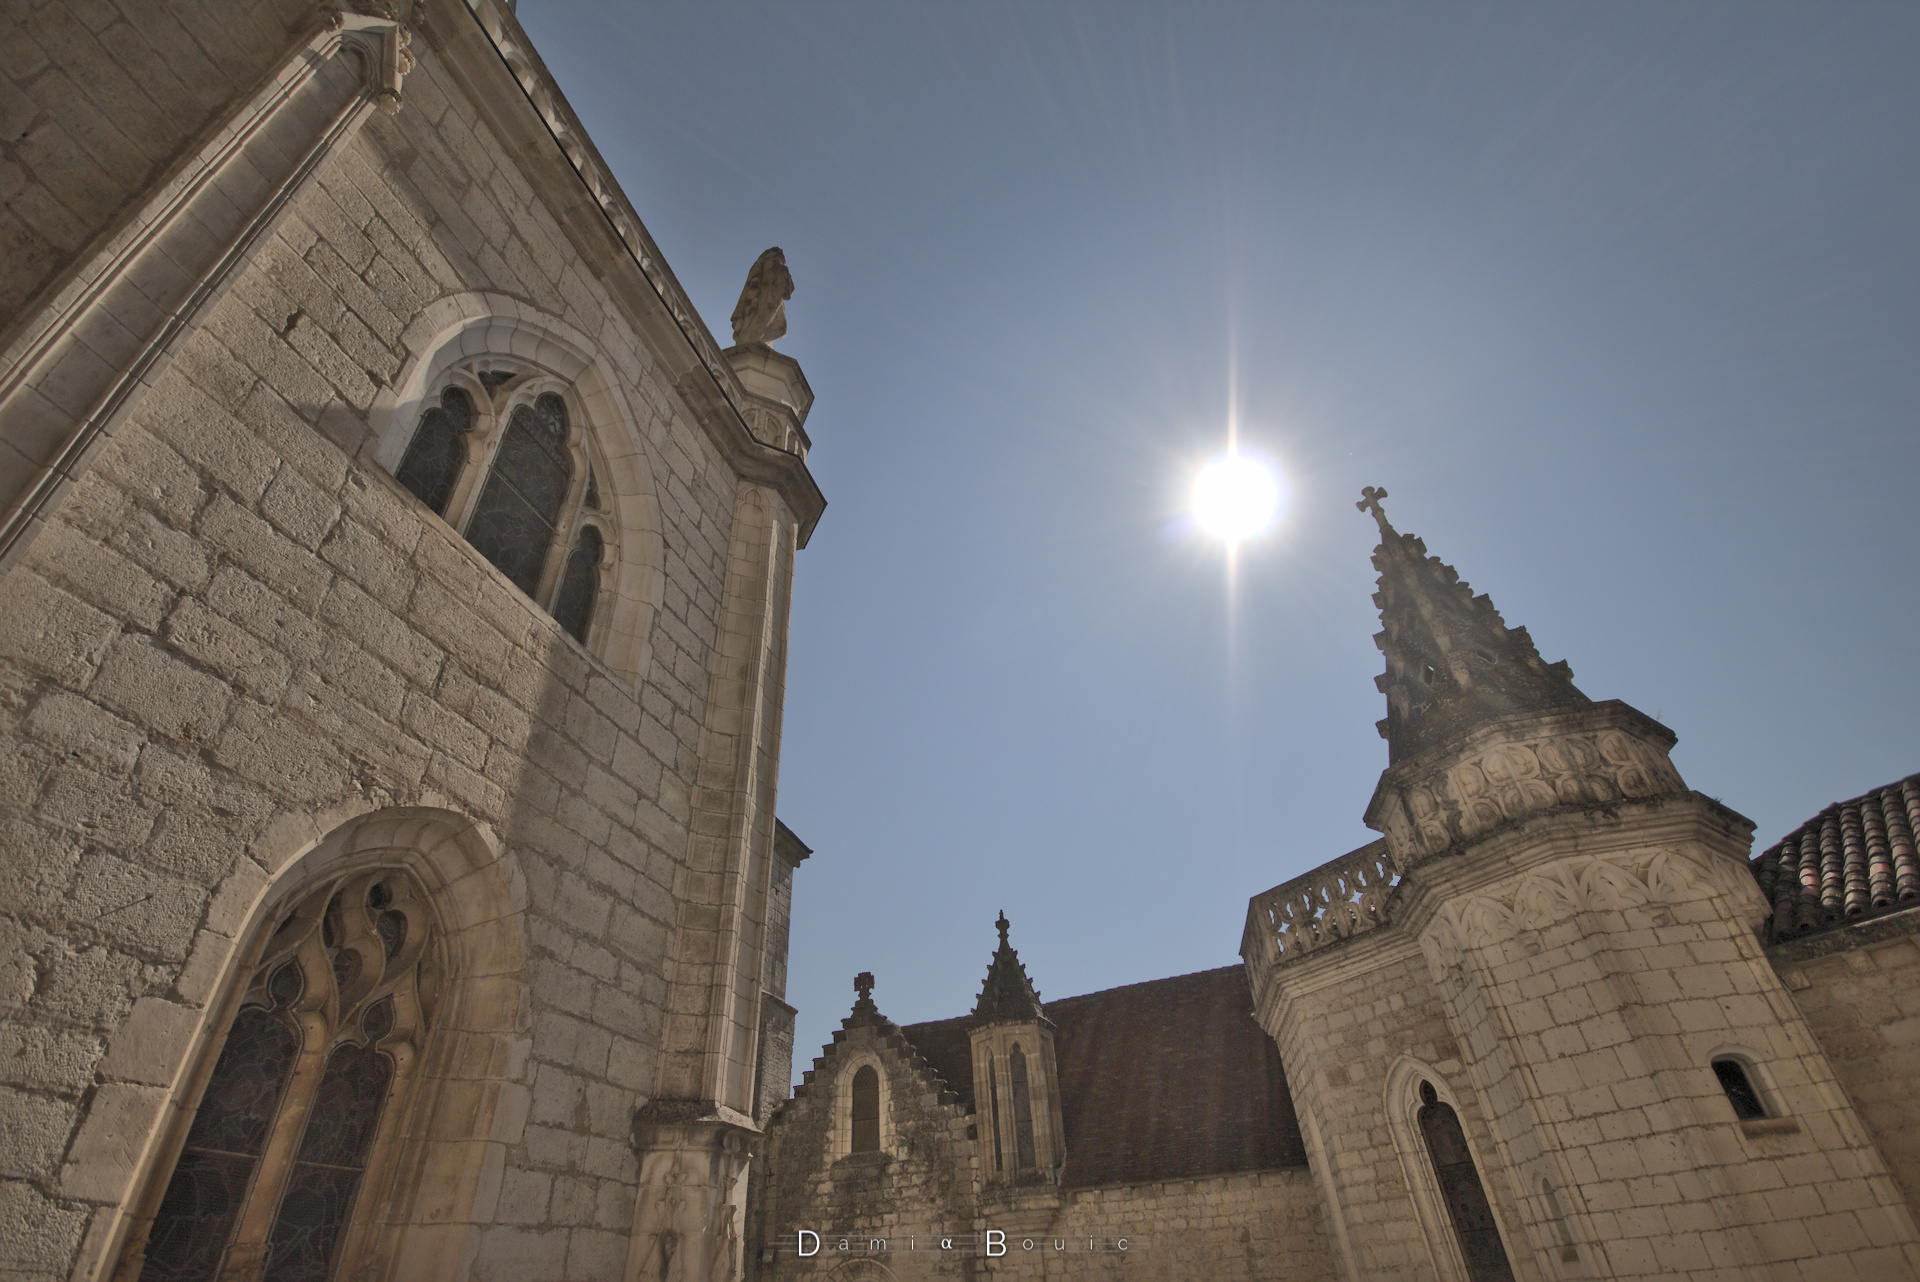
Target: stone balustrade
{"x":1337,"y":900}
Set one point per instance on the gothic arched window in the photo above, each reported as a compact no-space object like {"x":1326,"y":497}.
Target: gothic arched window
{"x":1023,"y":1148}
{"x":287,"y":1127}
{"x":513,"y":524}
{"x":580,"y":583}
{"x":1461,"y":1190}
{"x":993,"y":1098}
{"x":438,"y":450}
{"x":866,"y":1110}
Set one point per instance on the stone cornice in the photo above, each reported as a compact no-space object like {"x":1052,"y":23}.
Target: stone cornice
{"x":541,"y":126}
{"x":1513,"y":767}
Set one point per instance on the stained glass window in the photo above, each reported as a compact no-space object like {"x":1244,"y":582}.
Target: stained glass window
{"x":227,"y":1199}
{"x":513,"y":523}
{"x":1022,"y":1109}
{"x":1461,"y":1190}
{"x":866,"y":1110}
{"x":580,"y":585}
{"x":438,"y":450}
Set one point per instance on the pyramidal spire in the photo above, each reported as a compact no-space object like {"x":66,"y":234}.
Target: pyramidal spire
{"x":1452,"y":662}
{"x":1008,"y":993}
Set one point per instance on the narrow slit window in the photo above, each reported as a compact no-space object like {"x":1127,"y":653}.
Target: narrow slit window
{"x":993,"y":1103}
{"x":580,"y":584}
{"x":1746,"y":1102}
{"x":1022,"y":1109}
{"x":866,"y":1110}
{"x":438,"y":451}
{"x":513,"y":523}
{"x":1460,"y":1188}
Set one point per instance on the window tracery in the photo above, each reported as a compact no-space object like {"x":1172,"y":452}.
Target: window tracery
{"x":531,"y":504}
{"x":289,"y":1122}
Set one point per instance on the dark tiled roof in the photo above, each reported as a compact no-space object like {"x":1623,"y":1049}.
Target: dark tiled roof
{"x":1165,"y":1080}
{"x":1854,"y":859}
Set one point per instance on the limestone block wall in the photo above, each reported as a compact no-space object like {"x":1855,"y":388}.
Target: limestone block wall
{"x":1343,"y":1030}
{"x":1859,"y":988}
{"x":1262,"y":1226}
{"x":238,"y":634}
{"x":96,"y":100}
{"x":921,"y":1182}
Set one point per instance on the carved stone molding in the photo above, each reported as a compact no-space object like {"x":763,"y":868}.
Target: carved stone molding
{"x":1516,"y":767}
{"x":1652,"y":883}
{"x":690,"y":1215}
{"x":79,"y":364}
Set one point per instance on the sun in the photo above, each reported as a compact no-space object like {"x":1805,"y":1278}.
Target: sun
{"x":1235,"y":498}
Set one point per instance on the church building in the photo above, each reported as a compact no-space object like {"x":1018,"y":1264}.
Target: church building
{"x":394,"y":588}
{"x":1553,"y":1024}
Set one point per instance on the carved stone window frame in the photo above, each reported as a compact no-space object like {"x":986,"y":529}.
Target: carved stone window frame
{"x":1403,"y":1104}
{"x":449,"y":1113}
{"x":329,"y":934}
{"x":494,"y":409}
{"x":458,"y":337}
{"x":843,"y":1104}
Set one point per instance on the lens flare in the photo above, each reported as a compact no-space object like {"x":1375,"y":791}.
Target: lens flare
{"x":1235,"y":498}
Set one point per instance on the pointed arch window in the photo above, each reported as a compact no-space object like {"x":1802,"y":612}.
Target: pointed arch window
{"x":290,"y":1120}
{"x":437,"y":453}
{"x":1023,"y":1146}
{"x":866,"y":1110}
{"x":1460,"y":1188}
{"x":519,"y":509}
{"x":993,"y":1101}
{"x":535,"y":511}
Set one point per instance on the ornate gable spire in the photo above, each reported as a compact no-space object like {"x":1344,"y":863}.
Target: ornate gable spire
{"x":1007,"y":994}
{"x":1452,"y":662}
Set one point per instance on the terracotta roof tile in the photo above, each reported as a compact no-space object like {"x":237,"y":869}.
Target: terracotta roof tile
{"x":1854,"y":859}
{"x":1165,"y":1080}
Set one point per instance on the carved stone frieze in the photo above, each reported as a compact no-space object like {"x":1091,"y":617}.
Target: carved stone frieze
{"x":1516,"y":767}
{"x":1650,"y":883}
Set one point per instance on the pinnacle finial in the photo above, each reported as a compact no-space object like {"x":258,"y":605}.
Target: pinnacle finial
{"x":1370,"y":502}
{"x":863,"y":985}
{"x":1002,"y":925}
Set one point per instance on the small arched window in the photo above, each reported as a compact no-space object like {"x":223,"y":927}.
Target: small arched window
{"x":438,"y":451}
{"x":866,"y":1110}
{"x":1746,"y":1101}
{"x":1022,"y":1109}
{"x":267,"y":1180}
{"x":1461,"y":1190}
{"x":513,"y":524}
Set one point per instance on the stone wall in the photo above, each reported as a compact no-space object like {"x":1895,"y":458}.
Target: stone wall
{"x":1859,"y":988}
{"x":1260,"y":1226}
{"x":238,"y":634}
{"x":921,"y":1182}
{"x":96,"y":100}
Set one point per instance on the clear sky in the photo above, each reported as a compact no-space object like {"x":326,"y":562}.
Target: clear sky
{"x":1621,"y":302}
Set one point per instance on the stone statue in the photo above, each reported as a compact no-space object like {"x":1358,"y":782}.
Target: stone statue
{"x":761,"y":314}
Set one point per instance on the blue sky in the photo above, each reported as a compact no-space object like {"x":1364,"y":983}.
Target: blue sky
{"x":1621,"y":303}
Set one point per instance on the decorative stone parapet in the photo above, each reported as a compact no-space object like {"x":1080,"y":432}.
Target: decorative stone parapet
{"x":1513,"y":767}
{"x":1335,"y":901}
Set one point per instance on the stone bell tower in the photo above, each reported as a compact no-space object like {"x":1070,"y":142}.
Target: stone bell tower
{"x":1510,"y":1022}
{"x":1016,"y":1085}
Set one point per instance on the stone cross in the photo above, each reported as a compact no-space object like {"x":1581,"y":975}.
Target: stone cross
{"x":1370,"y":502}
{"x":863,"y":985}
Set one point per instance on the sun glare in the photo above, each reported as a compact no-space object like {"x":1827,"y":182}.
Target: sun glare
{"x":1235,"y":498}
